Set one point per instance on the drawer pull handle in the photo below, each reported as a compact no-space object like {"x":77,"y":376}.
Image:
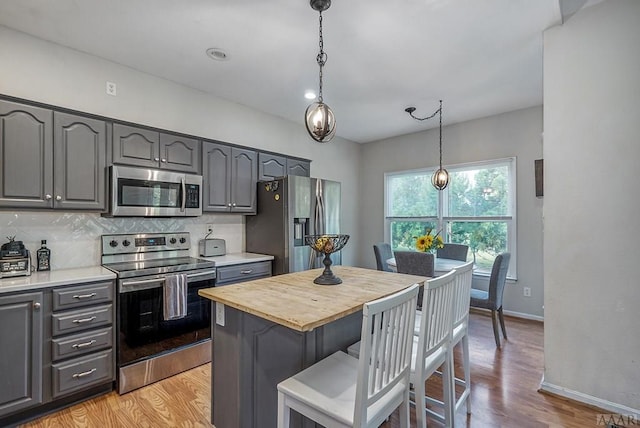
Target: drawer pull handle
{"x":246,"y":272}
{"x":81,"y":320}
{"x":83,"y":374}
{"x":84,"y":296}
{"x":82,"y":345}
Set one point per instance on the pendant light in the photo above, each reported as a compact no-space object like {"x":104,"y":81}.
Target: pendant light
{"x":440,"y":178}
{"x":319,"y":119}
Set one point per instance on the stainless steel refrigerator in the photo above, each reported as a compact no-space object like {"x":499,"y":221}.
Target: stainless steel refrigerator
{"x":288,"y":209}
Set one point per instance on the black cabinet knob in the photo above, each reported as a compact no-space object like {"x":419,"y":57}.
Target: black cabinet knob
{"x":113,"y":243}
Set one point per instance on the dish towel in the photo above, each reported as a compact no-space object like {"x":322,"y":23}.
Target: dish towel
{"x":175,"y":297}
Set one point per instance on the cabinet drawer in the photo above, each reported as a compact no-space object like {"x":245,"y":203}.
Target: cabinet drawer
{"x":86,"y":294}
{"x":82,"y":372}
{"x":242,"y":272}
{"x":82,"y":319}
{"x":80,"y":344}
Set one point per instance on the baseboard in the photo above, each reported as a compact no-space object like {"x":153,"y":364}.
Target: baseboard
{"x":512,"y":314}
{"x":523,"y":315}
{"x":589,"y":400}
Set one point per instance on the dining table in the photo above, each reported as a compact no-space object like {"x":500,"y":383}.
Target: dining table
{"x":440,"y":265}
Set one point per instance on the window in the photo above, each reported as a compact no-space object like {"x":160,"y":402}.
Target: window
{"x":477,"y":209}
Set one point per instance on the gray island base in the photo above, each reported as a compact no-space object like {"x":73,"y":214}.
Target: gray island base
{"x":274,"y":327}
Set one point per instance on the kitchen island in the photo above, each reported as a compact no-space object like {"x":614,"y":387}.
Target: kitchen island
{"x":269,"y":329}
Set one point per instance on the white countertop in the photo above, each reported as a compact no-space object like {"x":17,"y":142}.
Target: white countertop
{"x":61,"y":277}
{"x":237,"y":258}
{"x":55,"y":278}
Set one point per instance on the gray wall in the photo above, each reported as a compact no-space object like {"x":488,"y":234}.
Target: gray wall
{"x":518,"y":134}
{"x":41,"y":71}
{"x":591,"y":151}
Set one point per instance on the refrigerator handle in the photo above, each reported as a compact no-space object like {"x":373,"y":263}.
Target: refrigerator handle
{"x":318,"y":220}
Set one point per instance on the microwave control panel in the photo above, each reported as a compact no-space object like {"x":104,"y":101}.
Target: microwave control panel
{"x":192,"y":196}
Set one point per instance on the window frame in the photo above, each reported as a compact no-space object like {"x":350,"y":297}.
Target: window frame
{"x":441,"y":220}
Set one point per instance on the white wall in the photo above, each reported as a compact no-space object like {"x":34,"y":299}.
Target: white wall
{"x":37,"y":70}
{"x":516,"y":134}
{"x":591,"y":152}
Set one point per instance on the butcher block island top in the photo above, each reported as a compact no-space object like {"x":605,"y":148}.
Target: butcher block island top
{"x":294,"y":301}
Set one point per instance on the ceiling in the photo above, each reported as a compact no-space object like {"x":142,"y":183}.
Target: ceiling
{"x":482,"y":57}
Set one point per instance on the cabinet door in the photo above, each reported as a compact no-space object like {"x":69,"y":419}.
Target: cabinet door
{"x":244,"y":176}
{"x":136,"y":146}
{"x":26,"y":156}
{"x":216,"y":173}
{"x":271,"y":166}
{"x":298,"y":167}
{"x":80,"y":148}
{"x":21,"y":356}
{"x":179,"y":153}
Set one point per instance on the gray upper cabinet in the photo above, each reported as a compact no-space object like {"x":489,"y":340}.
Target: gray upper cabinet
{"x":271,"y":166}
{"x":80,"y":151}
{"x":21,"y":341}
{"x":179,"y":153}
{"x":298,"y":167}
{"x":152,"y":149}
{"x":51,"y":160}
{"x":230,"y":176}
{"x":26,"y":156}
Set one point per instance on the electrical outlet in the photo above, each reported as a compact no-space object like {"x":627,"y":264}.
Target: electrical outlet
{"x":527,"y":291}
{"x":220,"y":314}
{"x":210,"y":228}
{"x":111,"y":89}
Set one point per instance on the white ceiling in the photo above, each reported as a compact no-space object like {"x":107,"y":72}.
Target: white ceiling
{"x":482,"y":57}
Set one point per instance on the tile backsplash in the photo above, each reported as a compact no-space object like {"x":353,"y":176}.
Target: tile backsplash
{"x":74,"y":238}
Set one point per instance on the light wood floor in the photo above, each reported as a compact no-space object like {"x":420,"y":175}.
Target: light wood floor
{"x":504,"y":392}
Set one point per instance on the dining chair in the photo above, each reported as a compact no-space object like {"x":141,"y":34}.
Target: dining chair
{"x":432,"y":346}
{"x":383,"y":252}
{"x":415,"y":263}
{"x":453,"y":252}
{"x":343,"y":391}
{"x":460,"y":334}
{"x":492,"y":299}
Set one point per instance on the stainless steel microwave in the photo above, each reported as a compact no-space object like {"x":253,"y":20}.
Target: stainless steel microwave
{"x":143,"y":192}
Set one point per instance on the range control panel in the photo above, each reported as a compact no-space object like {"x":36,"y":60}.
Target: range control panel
{"x":145,"y":242}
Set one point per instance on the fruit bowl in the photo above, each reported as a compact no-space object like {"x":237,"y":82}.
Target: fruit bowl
{"x":327,"y":244}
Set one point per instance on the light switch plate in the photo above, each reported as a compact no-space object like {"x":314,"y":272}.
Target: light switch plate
{"x":220,"y":314}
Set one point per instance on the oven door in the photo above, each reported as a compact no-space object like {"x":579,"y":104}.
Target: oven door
{"x":144,"y":333}
{"x":154,"y":193}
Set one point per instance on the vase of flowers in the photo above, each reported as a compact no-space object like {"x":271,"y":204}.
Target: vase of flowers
{"x":428,"y":242}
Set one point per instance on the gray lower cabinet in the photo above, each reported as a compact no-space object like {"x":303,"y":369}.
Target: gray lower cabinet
{"x":271,"y":166}
{"x":56,"y":344}
{"x":152,"y":149}
{"x":83,"y":337}
{"x":233,"y":274}
{"x":230,"y":175}
{"x":252,"y":355}
{"x":51,"y":160}
{"x":21,"y":363}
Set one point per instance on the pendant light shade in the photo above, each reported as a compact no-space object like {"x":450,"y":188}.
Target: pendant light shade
{"x":320,"y":122}
{"x":318,"y":118}
{"x":440,"y":179}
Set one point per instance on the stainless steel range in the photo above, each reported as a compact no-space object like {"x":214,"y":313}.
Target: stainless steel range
{"x":155,"y":272}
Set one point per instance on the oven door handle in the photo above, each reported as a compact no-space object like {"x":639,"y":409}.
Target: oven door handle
{"x":143,"y":284}
{"x":211,"y":273}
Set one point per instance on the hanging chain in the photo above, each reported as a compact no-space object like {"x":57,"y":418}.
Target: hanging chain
{"x":440,"y":110}
{"x":321,"y":58}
